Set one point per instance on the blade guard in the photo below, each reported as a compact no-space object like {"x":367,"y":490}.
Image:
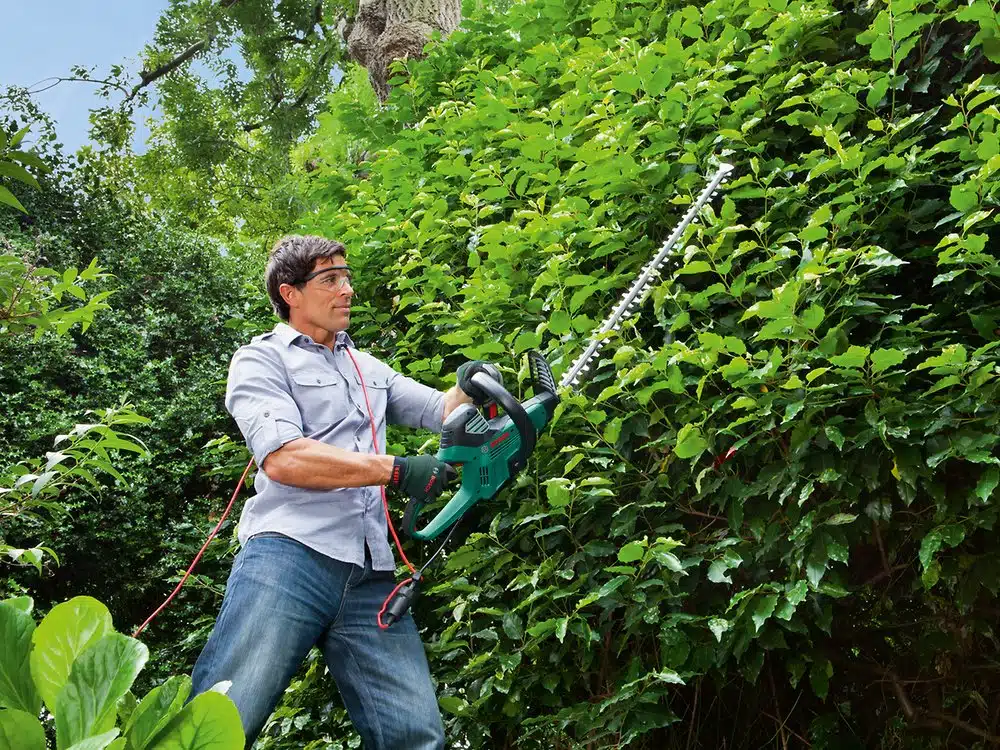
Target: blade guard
{"x":490,"y":452}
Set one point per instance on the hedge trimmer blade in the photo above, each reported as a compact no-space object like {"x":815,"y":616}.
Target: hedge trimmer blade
{"x":637,"y":292}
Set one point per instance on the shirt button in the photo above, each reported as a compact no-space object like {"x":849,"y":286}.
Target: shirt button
{"x":267,"y":414}
{"x":317,"y":380}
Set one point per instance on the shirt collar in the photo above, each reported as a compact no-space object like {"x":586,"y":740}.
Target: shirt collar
{"x":288,"y":336}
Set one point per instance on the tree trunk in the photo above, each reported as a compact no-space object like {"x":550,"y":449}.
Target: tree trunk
{"x":387,"y":30}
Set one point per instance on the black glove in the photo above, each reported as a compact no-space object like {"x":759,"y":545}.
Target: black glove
{"x":421,"y":478}
{"x":473,"y":391}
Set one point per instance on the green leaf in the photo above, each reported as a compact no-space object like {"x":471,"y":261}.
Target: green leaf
{"x":695,"y":266}
{"x":631,"y":552}
{"x":17,"y":172}
{"x":839,"y":519}
{"x":65,"y":633}
{"x":557,"y":491}
{"x":209,"y":722}
{"x":17,"y":690}
{"x":20,"y":730}
{"x":718,"y":626}
{"x":854,"y":357}
{"x":101,"y":675}
{"x":99,"y":742}
{"x":763,"y":610}
{"x":452,"y":704}
{"x":797,"y":594}
{"x":690,"y":442}
{"x":159,"y":706}
{"x":8,"y":198}
{"x":561,"y":624}
{"x":580,"y":296}
{"x":21,"y":604}
{"x":947,"y":535}
{"x":988,"y":481}
{"x":883,"y":359}
{"x":813,"y":316}
{"x":819,"y":676}
{"x":964,"y":197}
{"x":559,"y":322}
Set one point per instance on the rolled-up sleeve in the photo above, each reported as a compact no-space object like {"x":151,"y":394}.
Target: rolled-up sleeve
{"x":413,"y":404}
{"x":257,"y":396}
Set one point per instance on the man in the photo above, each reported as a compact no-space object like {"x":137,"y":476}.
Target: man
{"x":315,"y":565}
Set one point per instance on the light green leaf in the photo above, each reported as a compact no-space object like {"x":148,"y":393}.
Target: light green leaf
{"x":101,"y":675}
{"x":557,"y":491}
{"x":99,"y":742}
{"x":8,"y":198}
{"x":559,"y":322}
{"x":815,"y":373}
{"x":20,"y":730}
{"x":695,"y":266}
{"x":65,"y":633}
{"x":964,"y":197}
{"x":631,"y":552}
{"x":17,"y":690}
{"x":883,"y":359}
{"x":209,"y":722}
{"x":854,"y":357}
{"x":813,"y":316}
{"x":690,"y":442}
{"x":159,"y":706}
{"x":21,"y":604}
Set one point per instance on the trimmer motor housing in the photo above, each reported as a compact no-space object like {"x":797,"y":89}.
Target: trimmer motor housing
{"x":491,"y":451}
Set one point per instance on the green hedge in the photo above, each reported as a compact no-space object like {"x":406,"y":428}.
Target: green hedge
{"x":771,"y":514}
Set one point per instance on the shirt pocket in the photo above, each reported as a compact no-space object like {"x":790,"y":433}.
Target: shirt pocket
{"x":321,"y":396}
{"x":376,"y":385}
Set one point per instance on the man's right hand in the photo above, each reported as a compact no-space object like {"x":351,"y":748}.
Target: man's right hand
{"x":465,"y":372}
{"x":422,"y":478}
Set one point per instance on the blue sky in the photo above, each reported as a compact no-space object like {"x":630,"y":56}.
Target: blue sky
{"x":42,"y":38}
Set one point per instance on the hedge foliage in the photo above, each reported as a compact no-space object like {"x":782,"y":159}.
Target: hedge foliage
{"x":771,"y":514}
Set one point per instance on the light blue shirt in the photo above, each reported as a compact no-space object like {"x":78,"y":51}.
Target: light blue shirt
{"x":283,"y":386}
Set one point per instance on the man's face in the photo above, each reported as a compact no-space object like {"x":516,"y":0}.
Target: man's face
{"x":325,"y":299}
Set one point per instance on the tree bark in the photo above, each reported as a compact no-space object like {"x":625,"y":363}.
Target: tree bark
{"x":388,"y":30}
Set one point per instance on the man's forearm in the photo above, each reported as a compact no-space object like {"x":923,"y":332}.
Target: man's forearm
{"x":314,"y":465}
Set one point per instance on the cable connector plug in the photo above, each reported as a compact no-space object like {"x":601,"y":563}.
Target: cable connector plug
{"x":400,"y":601}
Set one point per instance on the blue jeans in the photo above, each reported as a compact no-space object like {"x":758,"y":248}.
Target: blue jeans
{"x":283,"y":598}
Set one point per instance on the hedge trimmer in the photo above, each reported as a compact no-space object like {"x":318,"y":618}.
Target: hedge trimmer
{"x":492,"y":448}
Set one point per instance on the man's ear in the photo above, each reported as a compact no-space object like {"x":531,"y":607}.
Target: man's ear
{"x":291,"y":294}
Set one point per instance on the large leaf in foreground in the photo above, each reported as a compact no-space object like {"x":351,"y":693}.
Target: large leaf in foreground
{"x":16,"y":687}
{"x":159,"y":706}
{"x":20,"y":731}
{"x":101,"y":676}
{"x":65,"y":633}
{"x":209,"y":722}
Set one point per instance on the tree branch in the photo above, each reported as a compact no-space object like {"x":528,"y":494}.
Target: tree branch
{"x":56,"y":80}
{"x":149,"y":76}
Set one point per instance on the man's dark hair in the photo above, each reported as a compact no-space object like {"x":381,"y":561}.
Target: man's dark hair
{"x":292,"y":258}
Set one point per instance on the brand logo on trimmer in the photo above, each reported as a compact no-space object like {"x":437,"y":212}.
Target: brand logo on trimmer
{"x":497,"y":440}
